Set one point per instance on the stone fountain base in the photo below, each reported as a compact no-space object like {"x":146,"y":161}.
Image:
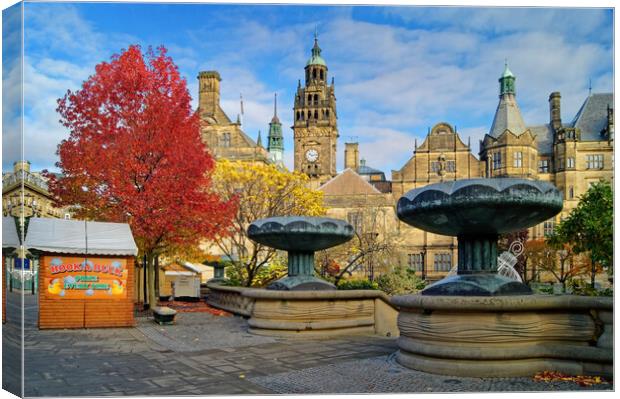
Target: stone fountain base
{"x":308,"y":313}
{"x":507,"y":336}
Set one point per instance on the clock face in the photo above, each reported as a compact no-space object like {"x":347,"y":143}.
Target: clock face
{"x":312,"y":155}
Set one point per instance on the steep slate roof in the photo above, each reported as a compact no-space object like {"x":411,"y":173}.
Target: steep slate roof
{"x":348,"y":183}
{"x":544,"y":138}
{"x":592,"y":117}
{"x":507,"y":116}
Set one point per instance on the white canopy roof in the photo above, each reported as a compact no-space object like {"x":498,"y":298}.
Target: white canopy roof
{"x":10,"y":239}
{"x":80,"y":237}
{"x":197,"y":267}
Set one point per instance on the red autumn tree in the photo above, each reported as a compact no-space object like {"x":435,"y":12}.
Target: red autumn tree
{"x":134,"y":154}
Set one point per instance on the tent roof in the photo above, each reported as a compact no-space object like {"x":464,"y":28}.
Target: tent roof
{"x":10,"y":239}
{"x":80,"y":237}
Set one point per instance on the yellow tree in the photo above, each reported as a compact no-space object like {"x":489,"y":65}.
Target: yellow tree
{"x":260,"y":191}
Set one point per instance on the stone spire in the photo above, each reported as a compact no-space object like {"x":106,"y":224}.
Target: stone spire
{"x":259,"y":140}
{"x":508,"y":115}
{"x":275,"y":141}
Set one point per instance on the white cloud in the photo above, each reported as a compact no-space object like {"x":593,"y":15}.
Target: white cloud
{"x":391,"y":81}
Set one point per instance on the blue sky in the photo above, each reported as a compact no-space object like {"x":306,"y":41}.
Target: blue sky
{"x":398,"y":70}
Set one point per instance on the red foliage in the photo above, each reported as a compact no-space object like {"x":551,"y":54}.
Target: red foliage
{"x":135,"y":146}
{"x":194,"y":307}
{"x":581,"y":380}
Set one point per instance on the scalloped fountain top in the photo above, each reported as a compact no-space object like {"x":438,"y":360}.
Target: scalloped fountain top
{"x":498,"y":205}
{"x":300,"y":233}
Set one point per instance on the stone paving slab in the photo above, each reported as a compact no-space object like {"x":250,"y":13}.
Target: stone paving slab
{"x":383,"y":374}
{"x":224,"y":360}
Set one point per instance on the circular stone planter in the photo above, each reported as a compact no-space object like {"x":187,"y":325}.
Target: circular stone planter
{"x":301,"y":236}
{"x":505,"y":336}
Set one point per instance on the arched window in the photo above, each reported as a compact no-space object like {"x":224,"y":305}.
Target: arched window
{"x":309,"y":98}
{"x":327,"y":113}
{"x":316,"y":99}
{"x":316,"y":114}
{"x":297,"y":115}
{"x":314,"y":73}
{"x":321,"y":74}
{"x":302,"y":115}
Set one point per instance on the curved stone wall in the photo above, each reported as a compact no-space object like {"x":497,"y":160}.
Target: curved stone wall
{"x":505,"y":336}
{"x":230,"y":299}
{"x":305,"y":313}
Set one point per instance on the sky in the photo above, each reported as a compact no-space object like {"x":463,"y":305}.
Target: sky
{"x":397,"y":70}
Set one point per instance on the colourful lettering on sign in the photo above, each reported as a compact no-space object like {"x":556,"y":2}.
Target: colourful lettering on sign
{"x":93,"y":278}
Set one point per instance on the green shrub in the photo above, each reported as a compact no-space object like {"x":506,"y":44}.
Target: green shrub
{"x":400,"y":281}
{"x":358,"y":284}
{"x":546,"y":289}
{"x":237,"y":275}
{"x":579,"y":287}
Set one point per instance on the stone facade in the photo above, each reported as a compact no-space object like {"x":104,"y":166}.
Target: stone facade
{"x":572,"y":155}
{"x":441,"y":157}
{"x":315,"y":130}
{"x":223,"y":137}
{"x":37,"y":200}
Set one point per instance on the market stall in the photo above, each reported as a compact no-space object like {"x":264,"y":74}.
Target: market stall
{"x":86,"y":272}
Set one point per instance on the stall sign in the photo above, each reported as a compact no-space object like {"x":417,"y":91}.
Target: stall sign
{"x":87,"y":278}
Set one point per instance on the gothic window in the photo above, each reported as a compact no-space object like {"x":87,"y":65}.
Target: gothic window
{"x":594,"y":161}
{"x":497,"y":160}
{"x":570,"y":162}
{"x":543,"y":166}
{"x":313,"y":73}
{"x":355,"y":220}
{"x":297,"y":115}
{"x":316,"y":99}
{"x":327,"y":113}
{"x":302,"y":115}
{"x":316,"y":114}
{"x":321,"y":74}
{"x":309,"y":98}
{"x":416,"y":262}
{"x":443,"y":262}
{"x":225,"y":140}
{"x":548,"y":227}
{"x":518,"y":159}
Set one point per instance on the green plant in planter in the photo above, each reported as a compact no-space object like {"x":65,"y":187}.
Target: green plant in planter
{"x":358,"y":284}
{"x":400,"y":281}
{"x":580,"y":287}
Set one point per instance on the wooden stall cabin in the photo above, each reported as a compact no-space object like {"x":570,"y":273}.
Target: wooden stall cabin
{"x":86,"y":272}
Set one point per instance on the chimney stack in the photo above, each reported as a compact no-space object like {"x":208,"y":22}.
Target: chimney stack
{"x":351,"y":156}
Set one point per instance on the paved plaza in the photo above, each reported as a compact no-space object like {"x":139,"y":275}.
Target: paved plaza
{"x":205,"y":354}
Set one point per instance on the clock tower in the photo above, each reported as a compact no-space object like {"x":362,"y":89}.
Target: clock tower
{"x":315,"y":130}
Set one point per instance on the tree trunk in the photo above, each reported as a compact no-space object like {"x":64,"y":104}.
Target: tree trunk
{"x":150,"y":269}
{"x":592,"y":273}
{"x":156,"y":269}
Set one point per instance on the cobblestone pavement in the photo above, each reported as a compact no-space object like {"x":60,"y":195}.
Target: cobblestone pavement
{"x":205,"y":354}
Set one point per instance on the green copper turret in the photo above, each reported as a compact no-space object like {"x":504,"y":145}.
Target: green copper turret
{"x":275,"y":141}
{"x":507,"y":82}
